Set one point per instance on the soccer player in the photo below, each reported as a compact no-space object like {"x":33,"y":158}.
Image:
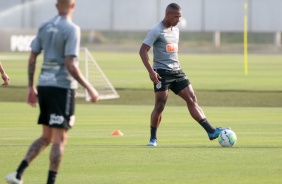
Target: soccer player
{"x":59,"y":38}
{"x":4,"y":76}
{"x":166,"y":72}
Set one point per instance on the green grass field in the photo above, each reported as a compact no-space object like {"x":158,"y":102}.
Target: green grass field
{"x":218,"y":80}
{"x":251,"y":105}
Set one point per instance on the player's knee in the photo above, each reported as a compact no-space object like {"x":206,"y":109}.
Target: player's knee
{"x":159,"y":107}
{"x":45,"y":140}
{"x":192,"y":100}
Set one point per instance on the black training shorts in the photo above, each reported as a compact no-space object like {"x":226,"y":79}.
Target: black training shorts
{"x":56,"y":107}
{"x":174,"y":80}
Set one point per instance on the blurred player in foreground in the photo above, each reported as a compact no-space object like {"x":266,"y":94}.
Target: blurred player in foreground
{"x":166,"y":72}
{"x":59,"y":38}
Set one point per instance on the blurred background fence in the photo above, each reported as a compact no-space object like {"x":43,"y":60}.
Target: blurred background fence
{"x":206,"y":25}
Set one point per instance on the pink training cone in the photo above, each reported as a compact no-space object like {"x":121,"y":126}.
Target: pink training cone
{"x":117,"y":132}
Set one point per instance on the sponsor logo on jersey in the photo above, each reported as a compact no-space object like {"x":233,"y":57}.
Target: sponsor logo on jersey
{"x":171,"y":47}
{"x":51,"y":28}
{"x":56,"y":119}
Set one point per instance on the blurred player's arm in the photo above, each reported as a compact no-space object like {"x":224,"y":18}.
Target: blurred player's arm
{"x":4,"y":76}
{"x":73,"y":69}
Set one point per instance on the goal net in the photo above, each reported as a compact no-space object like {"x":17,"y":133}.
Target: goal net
{"x":94,"y":74}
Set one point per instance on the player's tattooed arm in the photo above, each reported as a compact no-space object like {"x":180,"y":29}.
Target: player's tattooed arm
{"x":72,"y":67}
{"x":32,"y":92}
{"x":31,"y":68}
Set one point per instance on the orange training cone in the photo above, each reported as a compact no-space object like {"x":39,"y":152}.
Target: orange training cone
{"x":117,"y":132}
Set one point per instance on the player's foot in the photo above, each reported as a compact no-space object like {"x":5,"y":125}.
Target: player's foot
{"x":216,"y":133}
{"x":153,"y":142}
{"x":11,"y":179}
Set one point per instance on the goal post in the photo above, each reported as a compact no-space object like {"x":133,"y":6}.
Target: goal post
{"x":94,"y":74}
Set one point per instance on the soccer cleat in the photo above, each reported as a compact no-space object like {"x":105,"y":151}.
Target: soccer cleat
{"x":153,"y":142}
{"x":216,"y":133}
{"x":11,"y":179}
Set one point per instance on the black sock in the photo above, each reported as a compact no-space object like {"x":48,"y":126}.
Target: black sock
{"x":153,"y":132}
{"x":206,"y":125}
{"x":21,"y":169}
{"x":51,"y":177}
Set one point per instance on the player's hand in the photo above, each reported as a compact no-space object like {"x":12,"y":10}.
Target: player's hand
{"x":32,"y":96}
{"x":154,"y":76}
{"x":6,"y":79}
{"x":93,"y":93}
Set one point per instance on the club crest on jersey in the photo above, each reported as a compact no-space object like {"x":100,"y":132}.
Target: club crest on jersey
{"x":159,"y":85}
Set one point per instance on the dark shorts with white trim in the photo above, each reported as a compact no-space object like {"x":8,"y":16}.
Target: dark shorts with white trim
{"x":56,"y":107}
{"x":176,"y":80}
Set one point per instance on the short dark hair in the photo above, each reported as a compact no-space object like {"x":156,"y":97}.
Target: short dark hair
{"x":174,"y":6}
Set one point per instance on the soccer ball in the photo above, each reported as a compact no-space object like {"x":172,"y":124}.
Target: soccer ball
{"x":227,"y":138}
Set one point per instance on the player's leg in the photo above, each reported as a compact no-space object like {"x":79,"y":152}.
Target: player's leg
{"x":56,"y":153}
{"x":40,"y":144}
{"x":160,"y":101}
{"x":46,"y":137}
{"x":156,"y":115}
{"x":35,"y":148}
{"x":57,"y":150}
{"x":197,"y":113}
{"x":191,"y":100}
{"x":182,"y":87}
{"x":61,"y":120}
{"x":195,"y":110}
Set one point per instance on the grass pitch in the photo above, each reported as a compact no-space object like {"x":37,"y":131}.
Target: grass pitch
{"x":251,"y":105}
{"x":184,"y":155}
{"x":218,"y":80}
